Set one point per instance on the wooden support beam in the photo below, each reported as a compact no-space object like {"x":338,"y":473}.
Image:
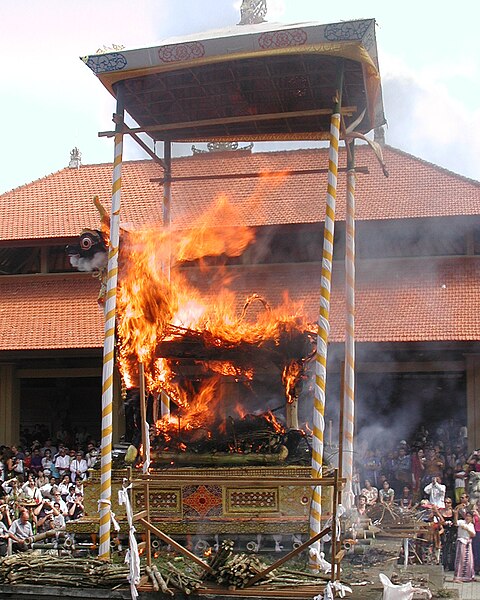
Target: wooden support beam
{"x":347,"y":110}
{"x":263,"y":175}
{"x":167,"y":539}
{"x":178,"y":480}
{"x":58,"y":372}
{"x":288,"y":556}
{"x":141,"y":515}
{"x":340,"y":555}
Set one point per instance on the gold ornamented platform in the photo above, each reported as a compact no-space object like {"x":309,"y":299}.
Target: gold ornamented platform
{"x":224,"y":506}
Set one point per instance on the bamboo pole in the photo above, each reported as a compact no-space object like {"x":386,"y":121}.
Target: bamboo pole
{"x":167,"y":221}
{"x":145,"y":457}
{"x":288,"y":556}
{"x":109,"y":339}
{"x":167,"y":539}
{"x":349,"y":366}
{"x":324,"y":313}
{"x":347,"y":110}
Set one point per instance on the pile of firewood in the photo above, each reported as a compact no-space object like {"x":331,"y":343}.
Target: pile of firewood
{"x":165,"y":576}
{"x":33,"y":569}
{"x":237,"y":570}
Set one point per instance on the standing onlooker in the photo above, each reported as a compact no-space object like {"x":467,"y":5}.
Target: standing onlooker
{"x":47,"y":462}
{"x":403,"y":468}
{"x":78,"y":467}
{"x":62,"y":462}
{"x":476,"y":539}
{"x":449,"y":535}
{"x":418,"y":471}
{"x":464,"y":566}
{"x":436,"y":492}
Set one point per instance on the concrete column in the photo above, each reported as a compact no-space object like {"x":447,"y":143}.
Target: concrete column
{"x":9,"y":405}
{"x":473,"y":400}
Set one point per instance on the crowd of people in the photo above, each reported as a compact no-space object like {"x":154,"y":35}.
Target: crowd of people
{"x":430,"y":474}
{"x":41,"y":486}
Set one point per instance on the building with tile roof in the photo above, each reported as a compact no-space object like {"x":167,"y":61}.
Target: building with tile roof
{"x":418,"y":301}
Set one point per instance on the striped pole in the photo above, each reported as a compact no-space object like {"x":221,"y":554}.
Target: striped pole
{"x":109,"y":342}
{"x":167,"y":221}
{"x":323,"y":319}
{"x":349,"y":364}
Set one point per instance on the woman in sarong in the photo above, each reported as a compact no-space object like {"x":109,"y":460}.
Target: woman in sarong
{"x":464,"y":567}
{"x":449,"y":536}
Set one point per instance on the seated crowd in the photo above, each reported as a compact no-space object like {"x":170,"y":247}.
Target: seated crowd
{"x":428,"y":474}
{"x":41,"y":486}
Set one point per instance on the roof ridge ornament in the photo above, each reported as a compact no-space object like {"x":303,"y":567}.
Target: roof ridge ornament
{"x":75,"y":159}
{"x":222,"y":147}
{"x":253,"y":12}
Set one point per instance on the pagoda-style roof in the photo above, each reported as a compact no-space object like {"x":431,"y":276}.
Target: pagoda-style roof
{"x":256,"y":82}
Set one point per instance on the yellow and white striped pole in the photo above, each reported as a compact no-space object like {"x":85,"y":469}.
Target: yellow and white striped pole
{"x":323,"y":319}
{"x":109,"y":342}
{"x":348,"y":498}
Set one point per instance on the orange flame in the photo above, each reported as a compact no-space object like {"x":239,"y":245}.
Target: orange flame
{"x":162,"y":302}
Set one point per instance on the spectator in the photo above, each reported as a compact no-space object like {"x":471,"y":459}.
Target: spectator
{"x":370,"y":492}
{"x":41,"y":479}
{"x":21,"y":530}
{"x":64,"y":486}
{"x":61,"y":502}
{"x":30,"y":490}
{"x":50,"y":447}
{"x":464,"y":565}
{"x":449,"y":536}
{"x":62,"y":462}
{"x":386,"y":494}
{"x":3,"y":536}
{"x":418,"y":471}
{"x":35,"y":462}
{"x":462,"y":508}
{"x":403,"y":467}
{"x":436,"y":492}
{"x":47,"y":462}
{"x":92,"y":455}
{"x":76,"y":509}
{"x":78,"y":468}
{"x":406,"y":499}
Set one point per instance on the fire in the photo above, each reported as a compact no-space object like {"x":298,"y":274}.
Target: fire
{"x":290,"y":377}
{"x":183,"y":324}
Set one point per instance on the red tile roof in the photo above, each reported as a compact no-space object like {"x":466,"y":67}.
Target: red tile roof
{"x":45,"y":312}
{"x":397,"y":300}
{"x":60,"y":205}
{"x":400,"y":300}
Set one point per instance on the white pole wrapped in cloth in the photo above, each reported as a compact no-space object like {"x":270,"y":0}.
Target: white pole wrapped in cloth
{"x":109,"y":344}
{"x":323,"y":320}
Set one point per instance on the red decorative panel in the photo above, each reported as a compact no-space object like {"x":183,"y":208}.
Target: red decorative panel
{"x":181,"y":52}
{"x":282,"y":39}
{"x":202,"y":501}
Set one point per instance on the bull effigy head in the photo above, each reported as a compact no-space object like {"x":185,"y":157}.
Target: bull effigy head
{"x":91,"y":251}
{"x":90,"y":254}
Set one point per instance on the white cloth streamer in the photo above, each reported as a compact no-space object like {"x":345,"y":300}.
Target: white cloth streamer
{"x":132,"y":557}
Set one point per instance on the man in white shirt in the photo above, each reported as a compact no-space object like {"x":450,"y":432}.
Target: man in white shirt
{"x":78,"y":468}
{"x":62,"y":463}
{"x":20,"y":530}
{"x":436,"y":492}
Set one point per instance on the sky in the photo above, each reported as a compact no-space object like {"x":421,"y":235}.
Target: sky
{"x":429,"y":54}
